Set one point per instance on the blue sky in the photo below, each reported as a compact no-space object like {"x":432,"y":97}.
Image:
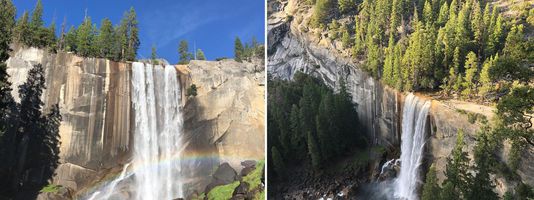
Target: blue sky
{"x":211,"y":24}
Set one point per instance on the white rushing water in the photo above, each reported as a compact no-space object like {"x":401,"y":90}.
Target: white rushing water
{"x":156,"y":98}
{"x":414,"y":119}
{"x":156,"y":173}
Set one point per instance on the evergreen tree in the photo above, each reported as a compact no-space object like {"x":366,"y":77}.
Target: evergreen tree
{"x":345,"y":37}
{"x":105,"y":40}
{"x":200,"y":55}
{"x":154,"y":56}
{"x":133,"y":36}
{"x":37,"y":16}
{"x":7,"y":103}
{"x":431,"y":188}
{"x":239,"y":50}
{"x":486,"y":82}
{"x":50,"y":39}
{"x":22,"y":30}
{"x":183,"y":51}
{"x":515,"y":46}
{"x":443,"y":16}
{"x":278,"y":161}
{"x":85,"y":38}
{"x":456,"y":170}
{"x":481,"y":187}
{"x":37,"y":30}
{"x":62,"y":34}
{"x":477,"y":25}
{"x":71,"y":40}
{"x":321,"y":12}
{"x":298,"y":140}
{"x":346,"y":6}
{"x":496,"y":38}
{"x":471,"y":68}
{"x":314,"y":151}
{"x":512,"y":111}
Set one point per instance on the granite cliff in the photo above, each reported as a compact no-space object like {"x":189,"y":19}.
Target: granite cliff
{"x":224,"y":122}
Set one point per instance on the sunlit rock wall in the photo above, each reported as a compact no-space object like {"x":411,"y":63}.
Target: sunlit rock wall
{"x":94,"y":100}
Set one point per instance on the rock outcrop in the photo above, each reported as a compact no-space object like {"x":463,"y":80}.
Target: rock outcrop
{"x":223,"y":123}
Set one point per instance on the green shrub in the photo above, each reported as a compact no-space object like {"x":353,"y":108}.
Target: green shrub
{"x":223,"y":192}
{"x":192,"y":90}
{"x":51,"y":188}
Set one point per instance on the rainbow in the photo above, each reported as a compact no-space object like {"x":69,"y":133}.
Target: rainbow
{"x":87,"y":191}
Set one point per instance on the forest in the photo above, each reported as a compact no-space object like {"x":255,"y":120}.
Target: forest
{"x":309,"y":123}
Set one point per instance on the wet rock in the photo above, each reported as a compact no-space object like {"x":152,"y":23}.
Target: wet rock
{"x":241,"y":191}
{"x":224,"y":175}
{"x":248,"y":166}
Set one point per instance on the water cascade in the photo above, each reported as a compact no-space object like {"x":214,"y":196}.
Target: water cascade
{"x":414,"y":119}
{"x":156,"y":98}
{"x":156,"y":172}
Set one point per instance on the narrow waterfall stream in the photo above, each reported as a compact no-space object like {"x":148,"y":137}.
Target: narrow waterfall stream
{"x":155,"y":170}
{"x":414,"y":119}
{"x":156,"y":98}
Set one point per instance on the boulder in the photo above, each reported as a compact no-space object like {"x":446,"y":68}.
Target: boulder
{"x":224,"y":175}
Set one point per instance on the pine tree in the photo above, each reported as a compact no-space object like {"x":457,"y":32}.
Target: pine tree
{"x":345,"y":37}
{"x":37,"y":16}
{"x":105,"y":40}
{"x":387,"y":74}
{"x":456,"y":170}
{"x":200,"y":55}
{"x":239,"y":50}
{"x":7,"y":103}
{"x":85,"y":38}
{"x":496,"y":38}
{"x":154,"y":56}
{"x":486,"y":81}
{"x":515,"y":46}
{"x":133,"y":41}
{"x":183,"y":51}
{"x":477,"y":25}
{"x":62,"y":34}
{"x":50,"y":39}
{"x":71,"y":40}
{"x":298,"y":140}
{"x":37,"y":26}
{"x":443,"y":14}
{"x":346,"y":6}
{"x":22,"y":30}
{"x":278,"y":161}
{"x":314,"y":151}
{"x":481,"y":186}
{"x":431,"y":188}
{"x":321,"y":12}
{"x":471,"y":68}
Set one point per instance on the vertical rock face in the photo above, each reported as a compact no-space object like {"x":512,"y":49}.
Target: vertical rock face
{"x":94,"y":101}
{"x":291,"y":51}
{"x":223,"y":123}
{"x":228,"y":111}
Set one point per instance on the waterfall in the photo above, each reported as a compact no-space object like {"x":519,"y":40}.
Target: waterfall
{"x":414,"y":119}
{"x":156,"y":98}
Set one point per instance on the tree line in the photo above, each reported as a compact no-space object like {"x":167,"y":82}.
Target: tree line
{"x":117,"y":43}
{"x":249,"y":50}
{"x":29,"y":135}
{"x":309,"y":123}
{"x":466,"y":48}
